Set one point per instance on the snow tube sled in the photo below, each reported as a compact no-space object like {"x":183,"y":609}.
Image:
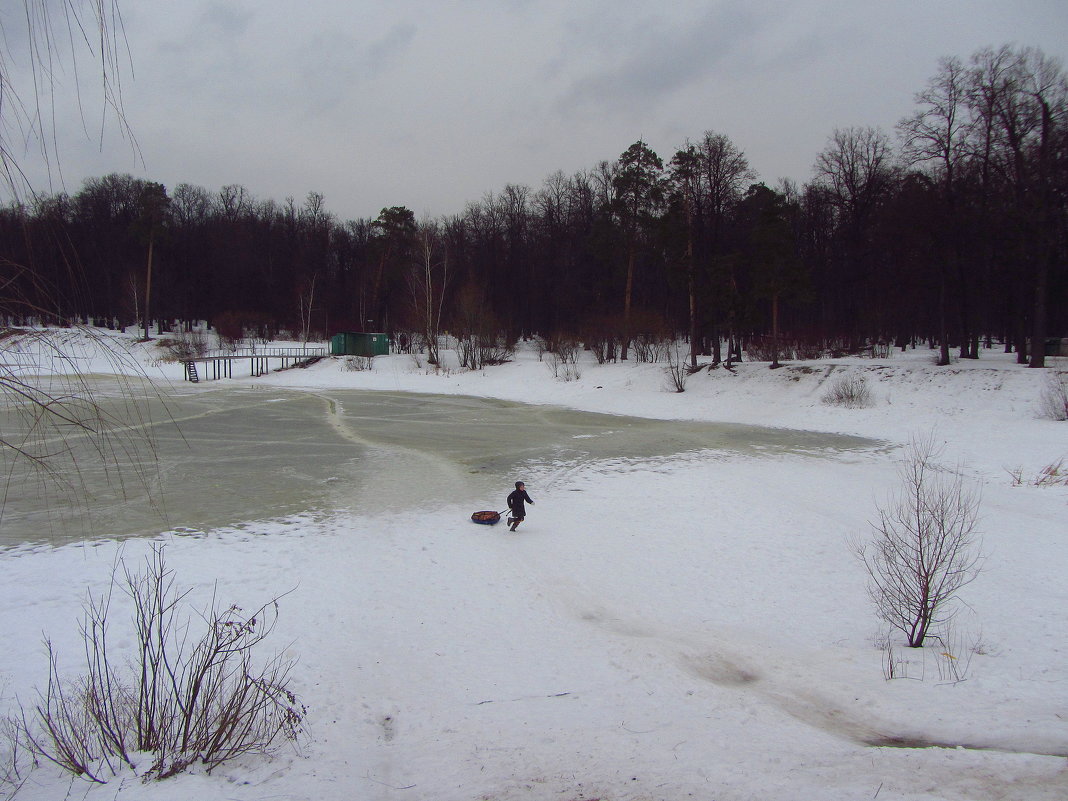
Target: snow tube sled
{"x":487,"y":518}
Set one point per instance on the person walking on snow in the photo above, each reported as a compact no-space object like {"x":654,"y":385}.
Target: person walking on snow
{"x":515,"y":503}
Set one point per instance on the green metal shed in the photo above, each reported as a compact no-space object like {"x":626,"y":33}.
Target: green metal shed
{"x":350,"y":343}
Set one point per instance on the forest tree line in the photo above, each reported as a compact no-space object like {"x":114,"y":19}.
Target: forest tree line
{"x":951,"y":231}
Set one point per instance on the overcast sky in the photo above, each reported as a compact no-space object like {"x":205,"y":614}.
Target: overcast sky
{"x":431,"y":104}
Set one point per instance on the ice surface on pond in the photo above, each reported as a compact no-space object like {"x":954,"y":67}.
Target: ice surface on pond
{"x":219,"y":456}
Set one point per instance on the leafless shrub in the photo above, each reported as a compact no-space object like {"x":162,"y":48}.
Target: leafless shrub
{"x":542,"y":345}
{"x":880,"y":350}
{"x":763,"y":349}
{"x":678,"y":370}
{"x":185,"y":699}
{"x":476,"y":351}
{"x":603,"y":336}
{"x":566,"y":348}
{"x":563,"y":357}
{"x":897,"y":665}
{"x":353,"y":364}
{"x":807,"y":351}
{"x":1052,"y":475}
{"x":649,"y":348}
{"x":605,"y":348}
{"x":925,"y":547}
{"x":186,"y":345}
{"x":479,"y":341}
{"x":562,"y":368}
{"x":850,"y":390}
{"x":468,"y":349}
{"x":14,"y":761}
{"x":952,"y":656}
{"x":1054,"y":402}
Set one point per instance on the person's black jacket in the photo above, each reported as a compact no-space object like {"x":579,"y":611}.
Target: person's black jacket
{"x":515,"y":502}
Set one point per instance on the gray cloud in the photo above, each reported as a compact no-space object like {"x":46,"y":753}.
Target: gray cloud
{"x":387,"y":50}
{"x":431,"y":104}
{"x":648,"y":61}
{"x":229,"y":20}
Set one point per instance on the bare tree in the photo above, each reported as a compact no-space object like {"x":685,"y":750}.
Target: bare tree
{"x":725,"y":175}
{"x":856,"y":169}
{"x":925,"y":547}
{"x":427,"y":281}
{"x":856,"y":166}
{"x":1021,"y":97}
{"x":939,"y":133}
{"x":306,"y":303}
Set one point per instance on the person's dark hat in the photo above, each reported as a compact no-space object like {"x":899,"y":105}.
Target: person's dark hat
{"x":518,"y":484}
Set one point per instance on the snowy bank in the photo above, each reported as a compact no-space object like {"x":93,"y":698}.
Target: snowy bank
{"x":687,"y":627}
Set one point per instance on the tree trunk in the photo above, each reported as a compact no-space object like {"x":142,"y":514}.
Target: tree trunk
{"x":1038,"y":323}
{"x":626,"y":305}
{"x":692,"y":287}
{"x":775,"y":331}
{"x":943,"y":334}
{"x":148,"y":285}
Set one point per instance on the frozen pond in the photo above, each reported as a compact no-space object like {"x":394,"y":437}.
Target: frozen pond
{"x":217,"y":456}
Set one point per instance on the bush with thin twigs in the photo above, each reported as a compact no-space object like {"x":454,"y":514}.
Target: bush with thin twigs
{"x":563,"y":359}
{"x":678,"y":370}
{"x":187,"y":699}
{"x":880,"y":350}
{"x":566,"y":348}
{"x":1055,"y":474}
{"x":354,"y":364}
{"x":925,"y":547}
{"x":760,"y":349}
{"x":764,"y":349}
{"x":186,"y":345}
{"x":562,"y":368}
{"x":605,"y":348}
{"x":850,"y":390}
{"x":650,"y":348}
{"x":476,"y":351}
{"x":952,"y":655}
{"x":541,"y":345}
{"x":603,"y":338}
{"x":1054,"y":402}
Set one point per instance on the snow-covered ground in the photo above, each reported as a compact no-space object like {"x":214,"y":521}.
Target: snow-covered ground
{"x":693,"y":627}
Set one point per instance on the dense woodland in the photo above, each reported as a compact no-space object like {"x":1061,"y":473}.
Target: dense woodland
{"x":952,"y":230}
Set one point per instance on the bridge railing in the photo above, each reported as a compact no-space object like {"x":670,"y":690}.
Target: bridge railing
{"x":302,"y":352}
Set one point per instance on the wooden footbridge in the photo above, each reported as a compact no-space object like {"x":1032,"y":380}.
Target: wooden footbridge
{"x":222,"y":364}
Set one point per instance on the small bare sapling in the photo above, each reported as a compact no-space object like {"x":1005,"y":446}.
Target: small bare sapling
{"x":926,"y":546}
{"x":677,"y":371}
